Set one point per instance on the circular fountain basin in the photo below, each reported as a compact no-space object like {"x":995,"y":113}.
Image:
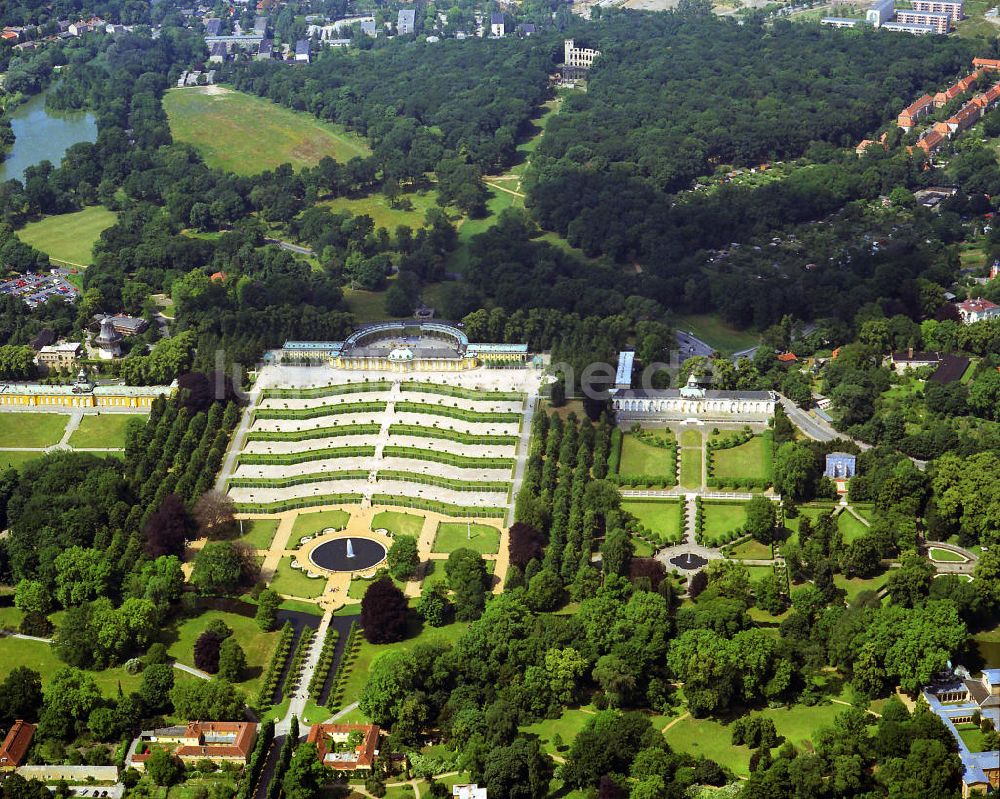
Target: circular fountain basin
{"x":688,"y":561}
{"x":332,"y":555}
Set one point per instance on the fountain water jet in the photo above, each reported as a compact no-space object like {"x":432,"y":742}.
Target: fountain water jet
{"x":350,"y":548}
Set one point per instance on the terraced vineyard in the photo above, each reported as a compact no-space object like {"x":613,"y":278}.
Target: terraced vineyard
{"x":416,"y":443}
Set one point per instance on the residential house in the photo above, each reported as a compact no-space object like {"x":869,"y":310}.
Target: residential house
{"x":951,"y":8}
{"x":15,"y":745}
{"x":406,"y":22}
{"x":958,"y":698}
{"x":265,"y":52}
{"x":903,"y":362}
{"x":58,"y":356}
{"x":938,"y":23}
{"x":218,"y":741}
{"x":956,"y":89}
{"x":217,"y":53}
{"x":260,"y":26}
{"x":977,"y":310}
{"x":213,"y":26}
{"x":129,"y":325}
{"x":333,"y":745}
{"x":302,"y":50}
{"x":914,"y":112}
{"x":986,"y":63}
{"x":11,"y":36}
{"x":498,"y":26}
{"x":526,"y":29}
{"x":787,"y":358}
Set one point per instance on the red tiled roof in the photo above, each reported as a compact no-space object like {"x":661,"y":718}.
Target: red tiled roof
{"x":987,"y":63}
{"x":931,"y":141}
{"x":917,"y":106}
{"x":15,"y":745}
{"x":787,"y":357}
{"x":318,"y":735}
{"x":977,"y":305}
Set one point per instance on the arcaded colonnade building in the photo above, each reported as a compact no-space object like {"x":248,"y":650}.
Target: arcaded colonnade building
{"x":404,"y":347}
{"x":693,"y":402}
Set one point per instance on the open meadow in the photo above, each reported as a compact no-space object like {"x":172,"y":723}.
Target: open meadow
{"x":69,"y":239}
{"x":247,"y":135}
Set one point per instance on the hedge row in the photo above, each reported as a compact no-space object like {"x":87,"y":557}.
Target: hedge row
{"x":269,"y":685}
{"x":494,"y":417}
{"x":459,"y":391}
{"x":434,"y":506}
{"x":451,"y":435}
{"x":295,"y":670}
{"x":320,"y":410}
{"x":739,"y":483}
{"x":459,"y":461}
{"x":315,"y":432}
{"x":325,"y":391}
{"x":265,"y":734}
{"x":615,"y":457}
{"x":297,"y":480}
{"x":290,"y":458}
{"x":644,"y":480}
{"x":343,"y":668}
{"x":442,"y":482}
{"x":323,"y":665}
{"x":294,"y":503}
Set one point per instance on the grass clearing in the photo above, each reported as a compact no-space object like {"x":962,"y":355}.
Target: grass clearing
{"x":293,"y":582}
{"x":257,"y":644}
{"x":259,"y":533}
{"x":690,"y":468}
{"x":752,"y":459}
{"x":104,"y":430}
{"x":69,"y":238}
{"x":640,"y":459}
{"x":751,"y":549}
{"x":716,"y":333}
{"x":567,"y":727}
{"x":722,"y":517}
{"x":691,"y":438}
{"x":972,"y":736}
{"x":850,"y":527}
{"x":42,"y":658}
{"x":855,"y":585}
{"x":660,"y":516}
{"x":17,"y":460}
{"x":481,"y":538}
{"x":398,"y":523}
{"x":247,"y":135}
{"x":31,"y":429}
{"x":382,"y":213}
{"x":945,"y":555}
{"x":311,"y":523}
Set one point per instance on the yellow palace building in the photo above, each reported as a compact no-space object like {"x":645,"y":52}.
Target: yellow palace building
{"x":82,"y":394}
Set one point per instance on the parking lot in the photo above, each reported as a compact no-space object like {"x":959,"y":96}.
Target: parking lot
{"x":36,"y":289}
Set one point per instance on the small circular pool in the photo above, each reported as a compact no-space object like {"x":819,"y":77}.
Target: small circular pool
{"x":333,"y":555}
{"x":688,"y":561}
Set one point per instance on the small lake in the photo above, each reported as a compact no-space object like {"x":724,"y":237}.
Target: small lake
{"x":44,"y":135}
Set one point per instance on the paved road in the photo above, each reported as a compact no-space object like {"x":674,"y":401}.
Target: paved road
{"x":236,"y":443}
{"x":522,"y":455}
{"x":813,"y":426}
{"x":689,"y":345}
{"x":287,"y":245}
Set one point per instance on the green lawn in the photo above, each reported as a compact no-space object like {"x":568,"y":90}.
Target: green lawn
{"x":856,"y":585}
{"x":850,"y":528}
{"x":712,"y":738}
{"x":690,"y":468}
{"x":567,"y":726}
{"x":716,"y":333}
{"x":398,"y":523}
{"x":752,"y":459}
{"x":247,"y":135}
{"x":972,"y":736}
{"x":69,"y":238}
{"x":31,"y":429}
{"x":105,"y":430}
{"x":16,"y":460}
{"x":382,"y":214}
{"x":359,"y":587}
{"x":42,"y":658}
{"x":257,"y":645}
{"x":751,"y":549}
{"x":450,"y":536}
{"x":310,"y":523}
{"x":945,"y":555}
{"x":691,"y":438}
{"x":10,"y":618}
{"x":293,"y":582}
{"x":358,"y":670}
{"x":640,"y":459}
{"x":259,"y":533}
{"x":722,"y":517}
{"x":660,"y":516}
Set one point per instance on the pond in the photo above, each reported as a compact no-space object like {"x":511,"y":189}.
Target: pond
{"x":42,"y":135}
{"x":348,"y":554}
